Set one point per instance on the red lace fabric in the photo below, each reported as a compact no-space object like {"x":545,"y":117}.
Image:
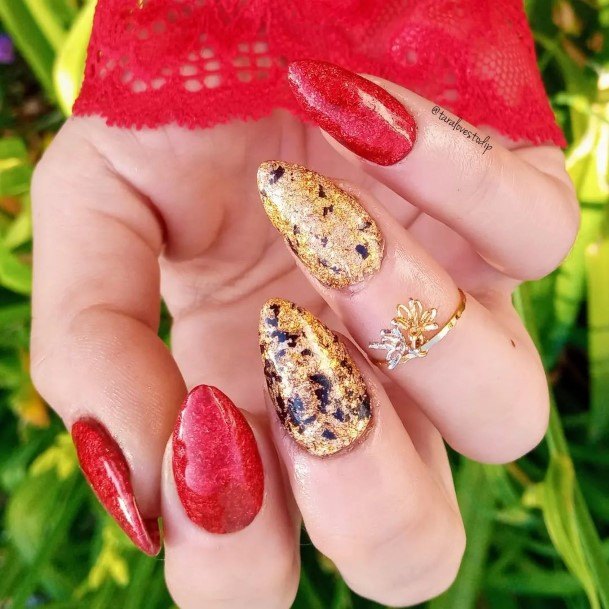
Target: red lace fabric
{"x":203,"y":62}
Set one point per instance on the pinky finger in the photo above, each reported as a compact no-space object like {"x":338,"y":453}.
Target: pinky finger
{"x":231,"y":538}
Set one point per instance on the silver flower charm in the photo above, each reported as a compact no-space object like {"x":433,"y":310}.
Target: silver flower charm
{"x":406,"y":337}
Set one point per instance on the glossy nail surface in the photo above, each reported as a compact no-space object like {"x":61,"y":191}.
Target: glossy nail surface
{"x":216,"y":464}
{"x":107,"y":471}
{"x":319,"y":394}
{"x":326,"y":227}
{"x":355,"y":111}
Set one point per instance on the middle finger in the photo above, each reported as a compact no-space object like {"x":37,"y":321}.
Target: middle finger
{"x":483,"y":385}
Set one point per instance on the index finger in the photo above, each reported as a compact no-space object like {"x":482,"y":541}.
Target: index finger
{"x":96,"y":356}
{"x":519,"y":218}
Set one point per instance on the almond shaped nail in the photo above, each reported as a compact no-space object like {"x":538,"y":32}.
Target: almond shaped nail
{"x":216,"y":464}
{"x":355,"y":111}
{"x":319,"y":394}
{"x":106,"y":469}
{"x":326,"y":227}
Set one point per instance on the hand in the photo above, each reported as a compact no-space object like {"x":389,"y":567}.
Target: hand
{"x":123,"y":216}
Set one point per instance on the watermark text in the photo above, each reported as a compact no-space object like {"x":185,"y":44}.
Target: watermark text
{"x":456,"y":125}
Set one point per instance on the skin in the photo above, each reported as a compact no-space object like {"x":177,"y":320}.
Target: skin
{"x":123,"y":216}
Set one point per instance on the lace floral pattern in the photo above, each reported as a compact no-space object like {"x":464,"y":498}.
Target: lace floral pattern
{"x":203,"y":62}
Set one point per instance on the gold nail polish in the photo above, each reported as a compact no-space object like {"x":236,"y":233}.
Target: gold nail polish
{"x":326,"y":227}
{"x":318,"y":391}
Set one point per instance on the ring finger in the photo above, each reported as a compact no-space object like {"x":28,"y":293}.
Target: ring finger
{"x":483,"y":385}
{"x":386,"y":516}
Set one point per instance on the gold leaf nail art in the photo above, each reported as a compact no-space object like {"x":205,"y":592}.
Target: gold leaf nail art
{"x":326,"y":227}
{"x":318,"y":391}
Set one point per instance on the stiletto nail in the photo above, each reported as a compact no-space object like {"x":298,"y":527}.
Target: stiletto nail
{"x":106,"y":469}
{"x":355,"y":111}
{"x":216,"y":464}
{"x":319,"y":394}
{"x":325,"y":226}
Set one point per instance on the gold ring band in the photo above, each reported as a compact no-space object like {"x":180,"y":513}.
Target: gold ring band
{"x":406,"y":338}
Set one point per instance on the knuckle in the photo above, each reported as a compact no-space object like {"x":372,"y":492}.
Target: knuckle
{"x":411,"y":584}
{"x":281,"y":580}
{"x":439,"y":571}
{"x":564,"y":232}
{"x":266,"y":587}
{"x":354,"y":546}
{"x":527,"y":424}
{"x":485,"y":175}
{"x":48,"y":168}
{"x":52,"y":173}
{"x":534,"y":404}
{"x":571,"y":225}
{"x":39,"y":367}
{"x":537,"y":419}
{"x":448,"y":564}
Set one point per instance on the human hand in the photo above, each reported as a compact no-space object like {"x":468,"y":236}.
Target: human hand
{"x":122,"y":216}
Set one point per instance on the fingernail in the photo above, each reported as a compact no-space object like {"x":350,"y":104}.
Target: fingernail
{"x":106,"y":469}
{"x":353,"y":110}
{"x":216,"y":464}
{"x":326,"y":227}
{"x":319,"y":394}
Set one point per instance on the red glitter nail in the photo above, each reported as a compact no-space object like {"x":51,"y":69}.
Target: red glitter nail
{"x":107,"y":471}
{"x":216,"y":463}
{"x":358,"y":113}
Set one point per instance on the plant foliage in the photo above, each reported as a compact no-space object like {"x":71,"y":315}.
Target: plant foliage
{"x":538,"y":528}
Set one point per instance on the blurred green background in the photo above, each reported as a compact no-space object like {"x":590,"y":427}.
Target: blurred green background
{"x":538,"y":528}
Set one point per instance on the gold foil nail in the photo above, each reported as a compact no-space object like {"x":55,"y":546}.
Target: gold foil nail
{"x":319,"y":394}
{"x":325,"y":226}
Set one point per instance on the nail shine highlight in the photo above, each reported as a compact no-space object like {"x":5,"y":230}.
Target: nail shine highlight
{"x":106,"y":469}
{"x":216,"y":464}
{"x":359,"y":114}
{"x":326,"y":227}
{"x":319,"y":394}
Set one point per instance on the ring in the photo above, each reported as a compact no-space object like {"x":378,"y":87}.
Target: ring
{"x":406,"y":339}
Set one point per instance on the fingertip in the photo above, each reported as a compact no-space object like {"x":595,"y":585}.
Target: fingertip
{"x":107,"y":472}
{"x":216,"y":464}
{"x":210,"y":546}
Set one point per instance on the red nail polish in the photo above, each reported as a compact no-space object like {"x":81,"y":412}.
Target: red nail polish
{"x":216,"y":463}
{"x":358,"y":113}
{"x":107,"y":471}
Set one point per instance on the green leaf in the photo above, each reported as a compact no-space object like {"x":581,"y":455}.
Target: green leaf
{"x":577,"y":81}
{"x":138,"y":591}
{"x":342,"y":596}
{"x":69,"y":67}
{"x":15,"y":167}
{"x":29,"y":39}
{"x":47,"y":19}
{"x":477,"y":510}
{"x":14,"y":274}
{"x":15,"y":179}
{"x":597,"y":266}
{"x":20,"y":230}
{"x":588,"y":166}
{"x":26,"y":514}
{"x":578,"y":523}
{"x":536,"y":583}
{"x":556,"y":498}
{"x":307,"y":597}
{"x":12,"y":148}
{"x":58,"y":520}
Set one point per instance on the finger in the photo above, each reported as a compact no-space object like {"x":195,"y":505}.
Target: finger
{"x":425,"y":438}
{"x":483,"y":386}
{"x":521,"y":219}
{"x":231,"y":539}
{"x":96,"y":357}
{"x":367,"y":500}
